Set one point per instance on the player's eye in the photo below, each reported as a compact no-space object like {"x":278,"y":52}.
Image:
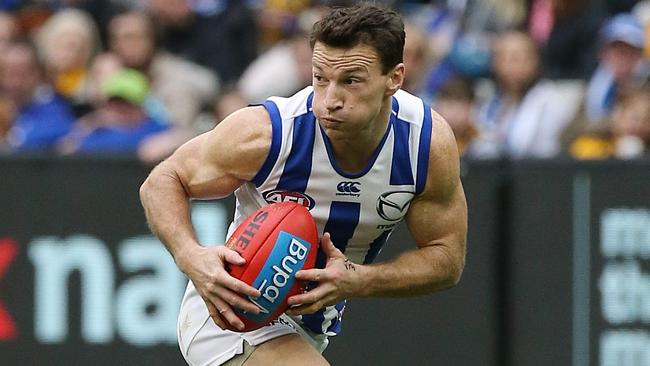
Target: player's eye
{"x":350,"y":81}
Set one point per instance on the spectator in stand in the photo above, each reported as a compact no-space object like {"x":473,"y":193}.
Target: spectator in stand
{"x":568,"y":31}
{"x":103,"y":67}
{"x":285,"y":67}
{"x":524,"y":117}
{"x":462,"y":32}
{"x":182,"y":86}
{"x":120,"y":125}
{"x":180,"y":89}
{"x":225,"y":41}
{"x":455,"y":103}
{"x":622,"y":42}
{"x":571,"y":46}
{"x":628,"y":132}
{"x":101,"y":11}
{"x":41,"y":116}
{"x":67,"y":43}
{"x":282,"y":70}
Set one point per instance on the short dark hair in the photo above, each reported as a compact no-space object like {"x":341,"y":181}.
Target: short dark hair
{"x":375,"y":26}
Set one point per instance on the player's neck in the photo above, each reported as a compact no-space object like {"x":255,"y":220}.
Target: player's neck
{"x":354,"y":152}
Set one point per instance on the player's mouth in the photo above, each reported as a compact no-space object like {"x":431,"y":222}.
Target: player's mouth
{"x":329,"y":122}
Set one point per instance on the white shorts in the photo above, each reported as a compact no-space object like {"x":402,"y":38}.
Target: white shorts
{"x":203,"y":343}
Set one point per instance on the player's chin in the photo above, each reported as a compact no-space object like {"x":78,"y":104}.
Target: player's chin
{"x":335,"y":133}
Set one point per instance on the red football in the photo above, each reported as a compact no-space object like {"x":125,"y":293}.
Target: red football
{"x":277,"y":240}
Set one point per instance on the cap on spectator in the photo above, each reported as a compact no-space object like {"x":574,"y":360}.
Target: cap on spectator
{"x":129,"y":85}
{"x":623,"y":28}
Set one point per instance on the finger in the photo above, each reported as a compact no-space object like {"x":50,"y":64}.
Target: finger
{"x":309,"y":297}
{"x":314,"y":275}
{"x":241,"y":287}
{"x":225,"y":311}
{"x":328,"y":247}
{"x":234,"y":299}
{"x":232,"y":257}
{"x":311,"y":308}
{"x":304,"y":309}
{"x":214,"y":314}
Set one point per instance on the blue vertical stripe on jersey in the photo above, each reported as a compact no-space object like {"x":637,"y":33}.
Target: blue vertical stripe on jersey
{"x":400,"y":170}
{"x":343,"y":220}
{"x":423,"y":150}
{"x":276,"y":142}
{"x":297,"y":169}
{"x":375,"y":247}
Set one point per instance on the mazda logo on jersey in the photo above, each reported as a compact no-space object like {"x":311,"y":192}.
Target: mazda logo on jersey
{"x":392,"y":206}
{"x":276,"y":196}
{"x":348,"y":189}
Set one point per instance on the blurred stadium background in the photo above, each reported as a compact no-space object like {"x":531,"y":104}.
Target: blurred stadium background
{"x":549,"y":101}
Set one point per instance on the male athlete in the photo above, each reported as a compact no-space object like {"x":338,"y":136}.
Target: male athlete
{"x":359,"y":153}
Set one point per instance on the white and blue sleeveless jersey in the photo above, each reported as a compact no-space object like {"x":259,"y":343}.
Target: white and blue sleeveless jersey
{"x":359,"y":210}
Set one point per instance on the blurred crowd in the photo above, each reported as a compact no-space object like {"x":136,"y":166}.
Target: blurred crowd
{"x":535,"y":79}
{"x":514,"y":78}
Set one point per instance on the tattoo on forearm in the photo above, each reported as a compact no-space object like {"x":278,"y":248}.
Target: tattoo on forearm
{"x":349,"y":265}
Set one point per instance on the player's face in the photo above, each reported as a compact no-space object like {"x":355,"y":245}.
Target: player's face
{"x":349,"y":88}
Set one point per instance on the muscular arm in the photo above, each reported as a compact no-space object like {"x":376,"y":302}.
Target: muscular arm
{"x":212,"y":165}
{"x":437,"y":220}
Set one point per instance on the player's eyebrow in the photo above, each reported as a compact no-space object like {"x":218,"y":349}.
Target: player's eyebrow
{"x":354,"y":69}
{"x":347,"y":70}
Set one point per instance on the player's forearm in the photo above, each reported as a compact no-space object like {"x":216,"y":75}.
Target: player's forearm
{"x":167,"y":210}
{"x":416,"y":272}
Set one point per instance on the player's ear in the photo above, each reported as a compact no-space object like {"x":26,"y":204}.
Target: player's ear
{"x":395,"y":79}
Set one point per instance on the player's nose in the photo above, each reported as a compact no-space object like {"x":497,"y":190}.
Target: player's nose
{"x":333,"y":99}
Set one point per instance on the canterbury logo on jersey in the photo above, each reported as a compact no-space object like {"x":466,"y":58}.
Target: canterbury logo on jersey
{"x":348,"y":189}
